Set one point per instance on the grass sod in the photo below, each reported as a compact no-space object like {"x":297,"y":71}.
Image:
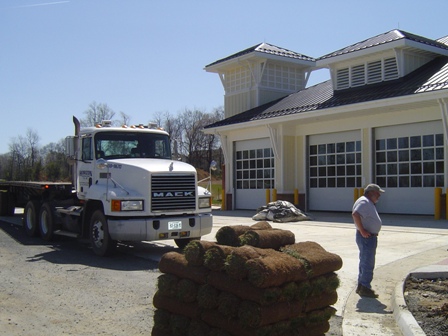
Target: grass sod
{"x":275,"y":270}
{"x":167,"y":284}
{"x":228,"y":304}
{"x":244,"y":290}
{"x":273,"y":238}
{"x":252,"y":315}
{"x":195,"y":250}
{"x":207,"y":296}
{"x":218,"y":332}
{"x":187,"y":290}
{"x":179,"y":324}
{"x":235,"y":264}
{"x":229,"y":235}
{"x":319,"y":261}
{"x":198,"y":328}
{"x":215,"y":257}
{"x":174,"y":306}
{"x":175,"y":263}
{"x":161,"y":322}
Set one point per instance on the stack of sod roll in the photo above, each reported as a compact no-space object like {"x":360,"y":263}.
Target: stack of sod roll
{"x":260,"y":282}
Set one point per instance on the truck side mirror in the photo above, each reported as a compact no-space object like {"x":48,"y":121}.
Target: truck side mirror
{"x":70,"y":150}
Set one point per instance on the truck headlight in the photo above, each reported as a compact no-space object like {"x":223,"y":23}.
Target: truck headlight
{"x":128,"y":205}
{"x":205,"y":202}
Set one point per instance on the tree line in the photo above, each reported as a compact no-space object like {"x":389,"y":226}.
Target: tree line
{"x":28,"y":161}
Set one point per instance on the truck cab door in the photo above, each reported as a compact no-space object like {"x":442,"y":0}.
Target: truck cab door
{"x":85,"y":167}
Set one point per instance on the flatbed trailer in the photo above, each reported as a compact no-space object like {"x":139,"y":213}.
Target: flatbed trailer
{"x":18,"y":193}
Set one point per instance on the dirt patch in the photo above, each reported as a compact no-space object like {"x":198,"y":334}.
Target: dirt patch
{"x":427,"y":300}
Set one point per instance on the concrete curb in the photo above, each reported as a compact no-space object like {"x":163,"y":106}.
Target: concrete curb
{"x":404,"y":318}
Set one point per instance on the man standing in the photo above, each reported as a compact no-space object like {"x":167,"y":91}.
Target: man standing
{"x":368,"y":225}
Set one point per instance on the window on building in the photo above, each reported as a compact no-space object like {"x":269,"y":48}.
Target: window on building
{"x":335,"y":165}
{"x":255,"y":169}
{"x":410,"y":162}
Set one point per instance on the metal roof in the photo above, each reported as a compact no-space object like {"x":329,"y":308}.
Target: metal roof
{"x":265,"y":48}
{"x":432,"y":76}
{"x":391,"y":36}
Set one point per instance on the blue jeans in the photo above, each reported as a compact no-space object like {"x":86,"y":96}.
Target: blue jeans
{"x":367,"y":251}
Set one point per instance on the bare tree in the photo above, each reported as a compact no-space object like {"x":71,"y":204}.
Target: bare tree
{"x":97,"y":113}
{"x":124,"y":119}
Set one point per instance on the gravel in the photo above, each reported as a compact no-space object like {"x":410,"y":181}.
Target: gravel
{"x":62,"y":288}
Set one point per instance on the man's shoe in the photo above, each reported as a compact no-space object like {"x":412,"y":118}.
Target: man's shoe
{"x":366,"y":292}
{"x":358,"y":288}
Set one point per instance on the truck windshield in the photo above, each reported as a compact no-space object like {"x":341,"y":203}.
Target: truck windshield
{"x":119,"y":145}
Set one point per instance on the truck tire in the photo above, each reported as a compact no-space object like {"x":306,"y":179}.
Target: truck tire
{"x":30,"y":218}
{"x":181,"y":243}
{"x":46,"y":222}
{"x":102,"y":244}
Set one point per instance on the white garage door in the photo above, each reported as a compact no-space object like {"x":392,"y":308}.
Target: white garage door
{"x":409,"y":165}
{"x":334,"y":170}
{"x":254,"y":172}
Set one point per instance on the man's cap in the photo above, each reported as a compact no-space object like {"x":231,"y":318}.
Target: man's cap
{"x":373,"y":187}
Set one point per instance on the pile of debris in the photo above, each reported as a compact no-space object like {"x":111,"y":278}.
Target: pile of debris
{"x":244,"y":290}
{"x":280,"y":212}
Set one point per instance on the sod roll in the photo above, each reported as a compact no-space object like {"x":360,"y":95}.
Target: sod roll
{"x":195,"y":250}
{"x":176,"y":264}
{"x":317,"y":260}
{"x":235,"y":265}
{"x":273,"y":238}
{"x":275,"y":270}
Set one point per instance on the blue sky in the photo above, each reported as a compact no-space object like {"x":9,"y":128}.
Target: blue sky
{"x":145,"y":57}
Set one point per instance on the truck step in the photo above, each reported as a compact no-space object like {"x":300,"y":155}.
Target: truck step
{"x":67,"y":233}
{"x":71,"y":211}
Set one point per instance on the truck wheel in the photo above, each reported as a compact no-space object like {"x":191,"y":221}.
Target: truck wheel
{"x":181,"y":243}
{"x":30,"y":218}
{"x":46,"y":222}
{"x":102,"y":244}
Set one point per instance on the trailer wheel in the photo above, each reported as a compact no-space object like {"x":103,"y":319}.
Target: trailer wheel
{"x":181,"y":243}
{"x":30,"y":218}
{"x":102,"y":244}
{"x":46,"y":222}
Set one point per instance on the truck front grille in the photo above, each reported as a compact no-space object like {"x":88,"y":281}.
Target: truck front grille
{"x":173,"y":192}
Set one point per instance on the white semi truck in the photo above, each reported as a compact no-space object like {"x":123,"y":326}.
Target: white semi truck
{"x":126,"y":187}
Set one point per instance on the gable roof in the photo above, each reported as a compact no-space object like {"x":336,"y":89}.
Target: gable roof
{"x":382,"y":39}
{"x":267,"y":49}
{"x":432,"y":76}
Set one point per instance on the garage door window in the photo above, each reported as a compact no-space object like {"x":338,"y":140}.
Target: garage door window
{"x":414,"y":161}
{"x":335,"y":165}
{"x":255,"y":169}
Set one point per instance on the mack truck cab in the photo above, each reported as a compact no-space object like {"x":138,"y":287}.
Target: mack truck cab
{"x":127,"y":187}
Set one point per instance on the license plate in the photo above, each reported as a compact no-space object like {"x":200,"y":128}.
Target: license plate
{"x":175,"y":225}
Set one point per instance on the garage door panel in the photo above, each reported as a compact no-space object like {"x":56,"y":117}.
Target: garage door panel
{"x":254,"y":172}
{"x":334,"y":170}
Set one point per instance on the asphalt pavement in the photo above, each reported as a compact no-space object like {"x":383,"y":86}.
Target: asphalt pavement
{"x":406,"y":244}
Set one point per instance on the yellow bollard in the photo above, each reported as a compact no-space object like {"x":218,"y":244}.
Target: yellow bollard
{"x":437,"y":200}
{"x":268,"y":196}
{"x":446,"y":204}
{"x":274,"y":195}
{"x":355,"y":194}
{"x":296,"y":196}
